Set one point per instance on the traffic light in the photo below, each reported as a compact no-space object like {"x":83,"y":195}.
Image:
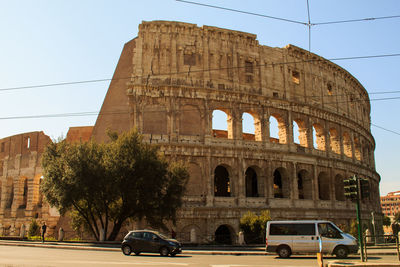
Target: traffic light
{"x":351,"y":188}
{"x":364,"y":188}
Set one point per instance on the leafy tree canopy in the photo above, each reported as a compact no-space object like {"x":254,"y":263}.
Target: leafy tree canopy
{"x":104,"y":185}
{"x":253,"y":226}
{"x":386,"y":221}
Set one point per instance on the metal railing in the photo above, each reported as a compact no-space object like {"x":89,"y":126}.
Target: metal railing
{"x":381,"y":241}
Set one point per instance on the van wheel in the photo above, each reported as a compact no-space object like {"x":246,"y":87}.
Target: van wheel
{"x":341,"y":252}
{"x":126,"y":250}
{"x":284,"y":251}
{"x":164,"y":251}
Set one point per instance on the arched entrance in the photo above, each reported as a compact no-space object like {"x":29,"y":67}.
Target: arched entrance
{"x":223,"y":235}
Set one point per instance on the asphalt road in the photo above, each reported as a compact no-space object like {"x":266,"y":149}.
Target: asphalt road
{"x":11,"y":256}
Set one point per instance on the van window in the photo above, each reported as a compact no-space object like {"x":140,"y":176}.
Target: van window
{"x":292,"y":229}
{"x":327,"y":230}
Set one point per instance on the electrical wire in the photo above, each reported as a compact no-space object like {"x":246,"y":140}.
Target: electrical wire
{"x":243,"y":12}
{"x":195,"y":71}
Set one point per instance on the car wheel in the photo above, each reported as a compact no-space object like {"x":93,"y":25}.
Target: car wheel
{"x":284,"y":251}
{"x":341,"y":252}
{"x":126,"y":250}
{"x":164,"y":251}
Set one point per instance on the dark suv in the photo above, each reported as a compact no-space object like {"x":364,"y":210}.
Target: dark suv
{"x":149,"y":241}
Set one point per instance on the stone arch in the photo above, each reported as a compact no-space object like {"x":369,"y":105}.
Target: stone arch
{"x":251,"y":181}
{"x":9,"y":193}
{"x":334,"y":140}
{"x":323,"y":186}
{"x":155,"y":119}
{"x":304,"y":184}
{"x":347,"y":145}
{"x":195,"y":185}
{"x":318,"y":137}
{"x":277,"y":129}
{"x":281,"y":183}
{"x":339,"y":188}
{"x":251,"y":124}
{"x":222,"y":126}
{"x":357,"y":149}
{"x":24,"y":190}
{"x":300,"y":132}
{"x":224,"y":234}
{"x":222,"y":182}
{"x":190,"y":121}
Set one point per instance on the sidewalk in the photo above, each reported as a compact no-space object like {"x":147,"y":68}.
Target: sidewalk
{"x":204,"y":250}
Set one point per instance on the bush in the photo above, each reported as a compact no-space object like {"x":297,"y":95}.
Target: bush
{"x":253,"y":226}
{"x":34,"y":229}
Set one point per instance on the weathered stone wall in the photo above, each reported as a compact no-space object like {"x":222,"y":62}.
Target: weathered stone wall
{"x":20,"y":176}
{"x":181,"y":73}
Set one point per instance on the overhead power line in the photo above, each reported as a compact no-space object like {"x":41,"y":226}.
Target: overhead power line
{"x":194,"y":71}
{"x":243,"y":12}
{"x":290,"y":20}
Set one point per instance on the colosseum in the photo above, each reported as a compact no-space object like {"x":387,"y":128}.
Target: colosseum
{"x":311,"y":128}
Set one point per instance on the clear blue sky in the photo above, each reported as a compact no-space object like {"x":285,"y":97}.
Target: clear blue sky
{"x":50,"y":41}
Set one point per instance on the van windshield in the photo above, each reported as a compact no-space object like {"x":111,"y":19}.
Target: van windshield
{"x":328,"y":230}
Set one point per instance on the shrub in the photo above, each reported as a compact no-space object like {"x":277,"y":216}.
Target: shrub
{"x":253,"y":226}
{"x":34,"y":229}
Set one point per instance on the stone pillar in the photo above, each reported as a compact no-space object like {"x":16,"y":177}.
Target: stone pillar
{"x":241,"y":239}
{"x":60,"y":234}
{"x":22,"y":231}
{"x":193,"y":235}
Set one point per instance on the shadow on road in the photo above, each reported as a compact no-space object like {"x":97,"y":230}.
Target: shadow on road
{"x":158,"y":256}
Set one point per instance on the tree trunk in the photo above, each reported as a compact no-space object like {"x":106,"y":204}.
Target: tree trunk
{"x":115,"y":230}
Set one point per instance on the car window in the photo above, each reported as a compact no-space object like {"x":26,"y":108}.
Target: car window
{"x":138,"y":234}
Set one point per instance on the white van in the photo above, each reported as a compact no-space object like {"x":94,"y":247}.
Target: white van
{"x":297,"y":237}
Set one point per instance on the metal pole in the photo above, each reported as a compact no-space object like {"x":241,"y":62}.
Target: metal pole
{"x":360,"y":236}
{"x":365,"y":247}
{"x":397,"y":247}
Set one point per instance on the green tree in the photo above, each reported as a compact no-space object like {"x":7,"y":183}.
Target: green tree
{"x":104,"y":185}
{"x":253,"y":226}
{"x":34,"y":228}
{"x":396,"y":224}
{"x":386,"y":221}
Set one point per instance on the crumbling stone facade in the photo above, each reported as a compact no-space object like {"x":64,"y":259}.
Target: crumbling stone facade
{"x":20,"y":177}
{"x":172,"y":78}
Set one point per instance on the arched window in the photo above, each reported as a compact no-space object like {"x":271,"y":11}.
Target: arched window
{"x":223,"y":235}
{"x":251,"y":183}
{"x":222,"y":187}
{"x":251,"y":126}
{"x":323,"y":186}
{"x":221,"y":124}
{"x":304,"y":185}
{"x":281,"y":185}
{"x":357,"y":149}
{"x":10,"y":193}
{"x":277,"y":129}
{"x":24,"y":195}
{"x":318,"y":137}
{"x":300,"y":133}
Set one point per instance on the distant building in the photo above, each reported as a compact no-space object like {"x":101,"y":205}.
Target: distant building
{"x":391,"y":203}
